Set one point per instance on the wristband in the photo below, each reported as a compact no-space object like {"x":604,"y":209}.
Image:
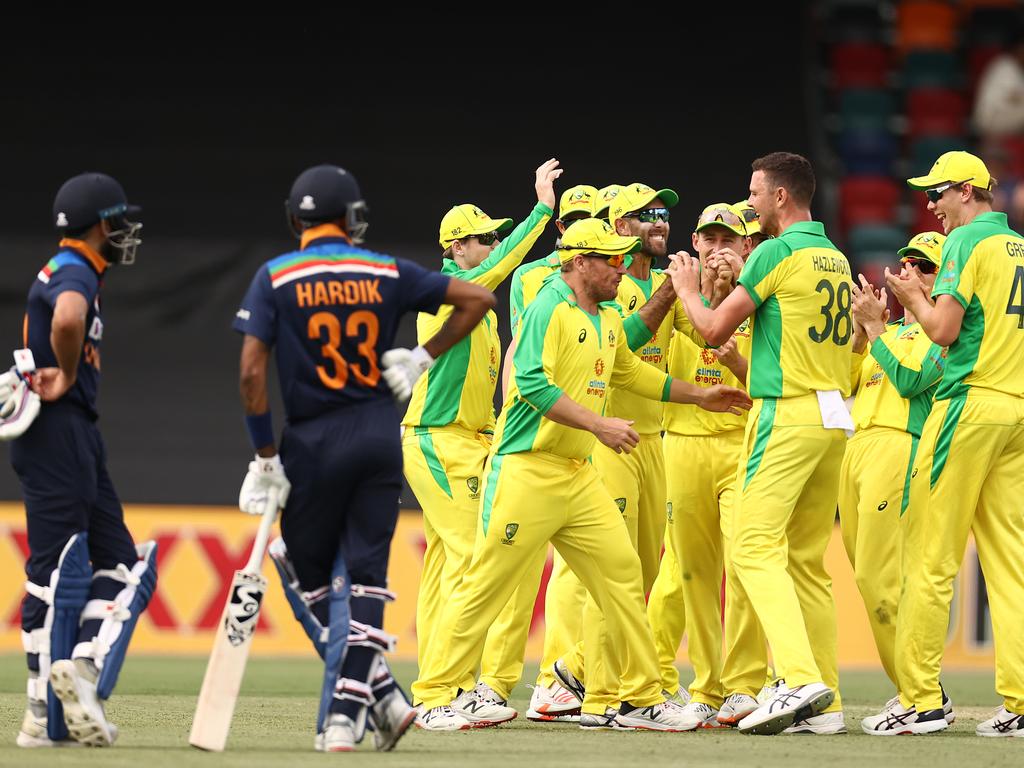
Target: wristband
{"x":261,"y":429}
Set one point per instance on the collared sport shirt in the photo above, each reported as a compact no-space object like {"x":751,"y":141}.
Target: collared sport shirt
{"x":330,"y":310}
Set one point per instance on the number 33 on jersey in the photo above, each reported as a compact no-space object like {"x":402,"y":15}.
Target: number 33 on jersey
{"x":801,"y":286}
{"x":331,"y":309}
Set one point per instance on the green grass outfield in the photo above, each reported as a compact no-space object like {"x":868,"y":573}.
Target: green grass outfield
{"x":274,"y":727}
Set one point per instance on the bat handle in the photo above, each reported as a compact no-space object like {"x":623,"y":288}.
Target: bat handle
{"x":259,"y":546}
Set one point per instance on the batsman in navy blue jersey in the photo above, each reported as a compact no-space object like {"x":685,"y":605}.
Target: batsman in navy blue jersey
{"x":87,"y":581}
{"x":330,"y":311}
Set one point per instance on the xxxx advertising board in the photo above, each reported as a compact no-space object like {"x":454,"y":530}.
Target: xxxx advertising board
{"x":201,"y":547}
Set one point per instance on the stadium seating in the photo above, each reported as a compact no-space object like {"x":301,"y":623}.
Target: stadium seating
{"x":868,"y":199}
{"x":940,"y":111}
{"x":859,"y":65}
{"x":925,"y":24}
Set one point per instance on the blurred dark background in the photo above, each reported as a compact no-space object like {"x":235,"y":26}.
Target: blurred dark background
{"x":206,"y":125}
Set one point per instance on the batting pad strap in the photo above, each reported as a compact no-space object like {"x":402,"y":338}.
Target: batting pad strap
{"x":370,"y":637}
{"x":104,"y":609}
{"x":353,"y":690}
{"x":42,"y":593}
{"x":378,"y":593}
{"x":301,"y":603}
{"x":381,"y":676}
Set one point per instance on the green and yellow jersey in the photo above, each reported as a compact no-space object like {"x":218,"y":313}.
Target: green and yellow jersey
{"x":526,"y":284}
{"x":459,"y":388}
{"x":983,"y":269}
{"x":564,"y":350}
{"x":800,"y":284}
{"x":896,"y":382}
{"x":633,"y":294}
{"x":699,"y":366}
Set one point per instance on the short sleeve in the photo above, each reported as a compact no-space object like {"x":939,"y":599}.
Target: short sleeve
{"x":761,"y":274}
{"x":80,"y":279}
{"x":258,"y":314}
{"x":421,"y":290}
{"x":956,"y":277}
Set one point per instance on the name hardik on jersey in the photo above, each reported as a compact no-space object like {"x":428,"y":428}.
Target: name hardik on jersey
{"x":800,"y":283}
{"x":75,"y":267}
{"x":330,"y":310}
{"x":983,"y":269}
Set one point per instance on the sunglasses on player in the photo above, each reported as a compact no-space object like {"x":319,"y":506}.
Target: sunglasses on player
{"x":648,"y":215}
{"x":721,"y":216}
{"x":936,"y":194}
{"x":617,"y":260}
{"x":924,"y":266}
{"x":485,"y":238}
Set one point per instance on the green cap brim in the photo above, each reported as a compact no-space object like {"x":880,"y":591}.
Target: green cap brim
{"x":668,"y":197}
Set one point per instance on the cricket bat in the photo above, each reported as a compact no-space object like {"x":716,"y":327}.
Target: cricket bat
{"x":224,"y":672}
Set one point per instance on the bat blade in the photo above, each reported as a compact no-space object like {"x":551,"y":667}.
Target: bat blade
{"x":226,"y":668}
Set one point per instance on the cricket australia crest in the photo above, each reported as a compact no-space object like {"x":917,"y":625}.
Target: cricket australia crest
{"x":510,"y":532}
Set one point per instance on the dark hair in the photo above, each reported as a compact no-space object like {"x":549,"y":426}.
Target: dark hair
{"x":791,"y":171}
{"x":983,"y":195}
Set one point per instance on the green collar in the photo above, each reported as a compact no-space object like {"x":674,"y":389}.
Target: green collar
{"x":806,"y":227}
{"x":992,"y":217}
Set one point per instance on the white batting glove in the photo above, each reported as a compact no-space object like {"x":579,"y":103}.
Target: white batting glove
{"x":19,"y":406}
{"x":403,"y":367}
{"x":263,"y":475}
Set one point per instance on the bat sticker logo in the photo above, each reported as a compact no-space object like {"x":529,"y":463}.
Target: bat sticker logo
{"x":243,"y":609}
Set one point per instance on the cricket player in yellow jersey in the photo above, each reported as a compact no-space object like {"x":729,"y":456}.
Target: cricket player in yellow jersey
{"x":565,"y":595}
{"x":447,"y":435}
{"x":636,"y":481}
{"x":798,"y":288}
{"x":971,"y":455}
{"x":896,"y":368}
{"x":700,"y":501}
{"x":572,"y":348}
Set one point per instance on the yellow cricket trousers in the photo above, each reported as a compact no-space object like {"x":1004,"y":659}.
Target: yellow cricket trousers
{"x":444,"y":467}
{"x":570,"y":507}
{"x":789,"y":486}
{"x":636,"y":482}
{"x":967,"y":477}
{"x":874,"y":490}
{"x":701,"y":479}
{"x":666,"y":610}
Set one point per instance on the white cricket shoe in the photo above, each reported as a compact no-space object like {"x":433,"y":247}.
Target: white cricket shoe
{"x":947,"y":706}
{"x":553,"y":703}
{"x":482,"y":707}
{"x":897,"y":720}
{"x":606,"y":722}
{"x":1002,"y":724}
{"x":568,"y":680}
{"x":786,"y":707}
{"x":735,"y":708}
{"x":339,"y":734}
{"x":697,"y":714}
{"x":442,"y":719}
{"x":680,"y":697}
{"x":664,"y":716}
{"x":74,"y":683}
{"x":392,"y":716}
{"x":825,"y":724}
{"x":33,"y":729}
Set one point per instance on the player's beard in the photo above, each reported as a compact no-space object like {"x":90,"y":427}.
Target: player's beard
{"x":657,"y":250}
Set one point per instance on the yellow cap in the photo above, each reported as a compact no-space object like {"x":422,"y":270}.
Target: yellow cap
{"x":955,"y":168}
{"x":578,"y":199}
{"x":594,"y":236}
{"x":635,"y":196}
{"x":750,"y":217}
{"x":722,"y":215}
{"x":605,"y":195}
{"x":465,"y":220}
{"x":927,"y":244}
